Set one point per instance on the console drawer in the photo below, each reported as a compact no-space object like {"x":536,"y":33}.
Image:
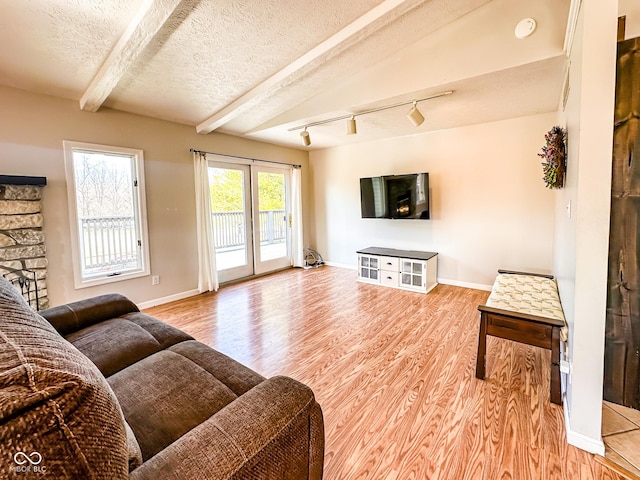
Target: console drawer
{"x":389,"y":263}
{"x":389,"y":278}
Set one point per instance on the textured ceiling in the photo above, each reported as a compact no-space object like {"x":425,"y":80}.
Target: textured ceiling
{"x":56,"y":46}
{"x":222,"y":49}
{"x":257,"y":69}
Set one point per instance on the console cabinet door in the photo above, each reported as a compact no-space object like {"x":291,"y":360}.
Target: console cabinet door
{"x":369,"y":268}
{"x":413,"y":274}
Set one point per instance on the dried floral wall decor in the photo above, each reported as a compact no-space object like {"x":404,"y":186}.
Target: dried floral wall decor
{"x":554,"y":154}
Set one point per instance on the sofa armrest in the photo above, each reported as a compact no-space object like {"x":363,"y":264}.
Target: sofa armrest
{"x":274,"y":431}
{"x":73,"y":316}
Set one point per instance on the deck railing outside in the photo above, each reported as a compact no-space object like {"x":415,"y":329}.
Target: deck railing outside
{"x":111,"y":242}
{"x":229,"y":228}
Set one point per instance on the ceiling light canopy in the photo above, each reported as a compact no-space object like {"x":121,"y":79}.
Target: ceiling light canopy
{"x":414,"y":115}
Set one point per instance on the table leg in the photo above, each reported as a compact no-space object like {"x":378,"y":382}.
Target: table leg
{"x":482,"y":347}
{"x":556,"y":393}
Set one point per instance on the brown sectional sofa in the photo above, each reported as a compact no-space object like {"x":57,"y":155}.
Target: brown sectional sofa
{"x":103,"y":391}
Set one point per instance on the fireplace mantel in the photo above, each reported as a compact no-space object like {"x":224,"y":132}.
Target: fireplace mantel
{"x":22,"y":180}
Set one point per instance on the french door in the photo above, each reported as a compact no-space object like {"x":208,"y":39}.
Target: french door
{"x":250,"y":211}
{"x":271,"y":220}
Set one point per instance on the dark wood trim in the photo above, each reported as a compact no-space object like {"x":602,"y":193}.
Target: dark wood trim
{"x":392,"y":252}
{"x":514,"y":272}
{"x":622,"y":25}
{"x":481,"y":357}
{"x":521,"y":316}
{"x":556,"y":389}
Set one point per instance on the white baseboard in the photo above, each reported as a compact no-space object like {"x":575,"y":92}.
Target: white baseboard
{"x":342,"y":265}
{"x":170,"y":298}
{"x":456,"y":283}
{"x":444,"y":281}
{"x":579,"y":440}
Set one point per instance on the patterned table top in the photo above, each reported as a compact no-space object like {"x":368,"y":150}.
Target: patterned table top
{"x":527,"y":294}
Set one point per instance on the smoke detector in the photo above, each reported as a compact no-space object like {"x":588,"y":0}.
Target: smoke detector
{"x":525,"y":27}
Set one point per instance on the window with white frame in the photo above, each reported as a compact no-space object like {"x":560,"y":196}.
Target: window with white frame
{"x":107,"y":212}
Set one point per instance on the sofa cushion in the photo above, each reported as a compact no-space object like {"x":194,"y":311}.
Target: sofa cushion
{"x":114,"y":344}
{"x":76,"y":315}
{"x":273,"y":432}
{"x":165,"y":334}
{"x":54,"y":400}
{"x":164,"y":396}
{"x":238,"y":378}
{"x":119,"y":342}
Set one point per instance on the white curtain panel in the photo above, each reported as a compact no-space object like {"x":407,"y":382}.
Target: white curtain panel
{"x":296,"y":213}
{"x":207,"y":272}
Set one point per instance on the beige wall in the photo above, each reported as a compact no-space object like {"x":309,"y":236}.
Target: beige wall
{"x":32,"y":128}
{"x":630,"y":9}
{"x":490,"y":208}
{"x":582,"y":240}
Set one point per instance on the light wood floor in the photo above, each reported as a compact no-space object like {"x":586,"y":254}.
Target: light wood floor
{"x":394,"y":374}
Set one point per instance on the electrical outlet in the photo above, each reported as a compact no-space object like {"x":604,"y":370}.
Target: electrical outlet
{"x":155,"y":279}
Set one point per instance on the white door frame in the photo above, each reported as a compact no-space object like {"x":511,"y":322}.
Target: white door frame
{"x":247,"y":269}
{"x":280,"y":262}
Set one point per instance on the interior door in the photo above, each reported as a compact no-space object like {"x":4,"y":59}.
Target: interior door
{"x":622,"y":331}
{"x":271,"y":219}
{"x":231,"y":219}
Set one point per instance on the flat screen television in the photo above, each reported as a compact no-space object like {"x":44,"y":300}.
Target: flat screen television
{"x":395,"y":196}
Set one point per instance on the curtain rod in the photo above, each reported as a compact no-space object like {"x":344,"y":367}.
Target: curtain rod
{"x":294,"y":165}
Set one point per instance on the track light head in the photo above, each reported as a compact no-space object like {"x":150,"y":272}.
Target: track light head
{"x":415,"y":116}
{"x":306,"y":139}
{"x":351,"y":126}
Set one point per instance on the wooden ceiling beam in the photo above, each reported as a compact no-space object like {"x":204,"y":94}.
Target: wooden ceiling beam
{"x":374,"y":19}
{"x":151,"y":16}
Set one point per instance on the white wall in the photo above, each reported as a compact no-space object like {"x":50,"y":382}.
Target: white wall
{"x":490,"y":208}
{"x":32,"y":128}
{"x":582,"y":241}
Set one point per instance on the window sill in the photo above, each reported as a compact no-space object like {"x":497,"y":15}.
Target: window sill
{"x":102,"y":280}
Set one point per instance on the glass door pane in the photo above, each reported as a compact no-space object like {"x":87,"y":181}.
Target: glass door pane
{"x":272,"y":221}
{"x":230,"y":207}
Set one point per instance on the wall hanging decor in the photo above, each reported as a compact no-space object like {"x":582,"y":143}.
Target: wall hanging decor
{"x":555,"y":158}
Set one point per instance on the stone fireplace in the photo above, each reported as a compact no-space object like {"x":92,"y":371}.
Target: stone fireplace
{"x":23,"y":258}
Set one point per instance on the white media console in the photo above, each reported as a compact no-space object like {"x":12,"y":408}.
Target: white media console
{"x":405,"y":269}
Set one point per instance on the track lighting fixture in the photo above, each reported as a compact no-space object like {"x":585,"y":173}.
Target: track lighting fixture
{"x":306,"y":139}
{"x":351,"y":126}
{"x":415,"y":116}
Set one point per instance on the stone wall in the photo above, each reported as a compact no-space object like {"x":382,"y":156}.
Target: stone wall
{"x":22,"y":248}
